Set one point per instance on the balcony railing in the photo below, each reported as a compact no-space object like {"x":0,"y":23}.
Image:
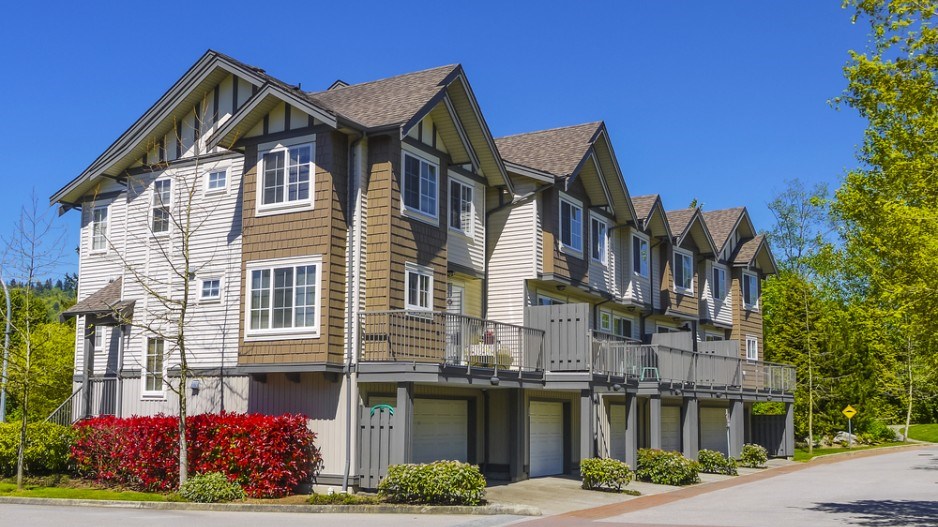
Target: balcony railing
{"x":103,"y":402}
{"x":451,"y":339}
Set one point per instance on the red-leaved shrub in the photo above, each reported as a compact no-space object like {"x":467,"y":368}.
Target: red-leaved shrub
{"x":268,"y":455}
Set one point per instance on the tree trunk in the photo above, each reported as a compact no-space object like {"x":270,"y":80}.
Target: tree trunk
{"x":183,"y":444}
{"x":21,"y":450}
{"x":908,"y":411}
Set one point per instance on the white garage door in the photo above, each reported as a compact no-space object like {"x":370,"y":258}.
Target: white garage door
{"x":713,"y":429}
{"x":441,"y":430}
{"x":546,"y":438}
{"x":671,"y":428}
{"x":617,"y":431}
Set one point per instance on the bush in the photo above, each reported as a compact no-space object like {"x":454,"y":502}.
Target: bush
{"x":605,"y":472}
{"x":341,"y":498}
{"x":213,"y":487}
{"x":437,"y":483}
{"x":267,"y":455}
{"x":666,"y":468}
{"x":713,"y":462}
{"x":878,"y":432}
{"x":47,"y":448}
{"x":753,"y":456}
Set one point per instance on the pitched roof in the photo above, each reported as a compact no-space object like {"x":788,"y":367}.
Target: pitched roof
{"x":679,"y":220}
{"x":557,"y":151}
{"x":385,"y":102}
{"x":644,"y":205}
{"x":747,"y":250}
{"x":721,"y":223}
{"x":105,"y":300}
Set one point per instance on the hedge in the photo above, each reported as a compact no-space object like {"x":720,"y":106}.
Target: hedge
{"x":437,"y":483}
{"x":604,"y":472}
{"x":47,"y":448}
{"x":753,"y":456}
{"x":666,"y":468}
{"x":267,"y":455}
{"x":713,"y":462}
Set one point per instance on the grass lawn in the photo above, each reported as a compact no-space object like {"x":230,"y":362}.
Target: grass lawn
{"x":70,"y":490}
{"x":801,"y":454}
{"x":927,"y":432}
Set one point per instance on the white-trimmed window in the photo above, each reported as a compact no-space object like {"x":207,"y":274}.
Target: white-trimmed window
{"x":750,"y":290}
{"x":418,"y":287}
{"x":623,"y":327}
{"x":718,"y":285}
{"x":210,"y":289}
{"x":544,"y":300}
{"x":599,"y":241}
{"x":460,"y":206}
{"x":752,"y":348}
{"x":571,"y":225}
{"x":641,"y":256}
{"x":605,"y":321}
{"x":160,"y":203}
{"x":284,"y":298}
{"x":216,"y":180}
{"x":286,"y":177}
{"x":683,"y":271}
{"x":100,"y":338}
{"x":99,"y":228}
{"x":153,"y":368}
{"x":419,"y":186}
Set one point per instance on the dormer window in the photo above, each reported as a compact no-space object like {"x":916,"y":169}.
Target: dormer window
{"x":420,"y":183}
{"x":750,"y":291}
{"x":718,"y":286}
{"x":571,"y":226}
{"x":599,"y":241}
{"x":683,"y":271}
{"x":286,"y":178}
{"x":640,"y":256}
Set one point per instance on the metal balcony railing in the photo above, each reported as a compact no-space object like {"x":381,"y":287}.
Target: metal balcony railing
{"x":103,"y":401}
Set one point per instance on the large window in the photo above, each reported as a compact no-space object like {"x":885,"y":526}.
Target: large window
{"x":752,"y":348}
{"x":153,"y":372}
{"x":460,"y":207}
{"x":418,"y":286}
{"x":99,"y":229}
{"x":683,"y":271}
{"x":421,"y":180}
{"x":287,"y":177}
{"x":284,"y":298}
{"x":571,"y":226}
{"x":623,"y":327}
{"x":719,"y":283}
{"x":599,"y":241}
{"x":750,"y":291}
{"x":640,"y":256}
{"x":161,"y":202}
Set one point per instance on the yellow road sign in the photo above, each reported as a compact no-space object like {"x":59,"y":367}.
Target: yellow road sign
{"x":850,"y":411}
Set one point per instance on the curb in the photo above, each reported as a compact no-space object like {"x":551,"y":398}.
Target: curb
{"x":482,"y":510}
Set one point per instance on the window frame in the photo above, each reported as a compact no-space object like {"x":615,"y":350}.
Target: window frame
{"x":418,"y":213}
{"x":463,"y":185}
{"x":420,"y":271}
{"x":207,"y":299}
{"x":154,"y":206}
{"x":209,"y":189}
{"x":104,"y":235}
{"x":146,"y":374}
{"x":713,"y":283}
{"x":682,"y":256}
{"x":287,"y":333}
{"x":547,"y":300}
{"x":745,"y":276}
{"x":754,"y":340}
{"x":286,"y":205}
{"x":100,"y":332}
{"x":603,"y":257}
{"x":644,"y":270}
{"x":615,"y":326}
{"x":605,"y":326}
{"x":562,"y":229}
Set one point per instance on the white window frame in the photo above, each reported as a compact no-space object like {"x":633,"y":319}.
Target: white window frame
{"x":615,"y":326}
{"x":462,"y":185}
{"x":271,"y":333}
{"x":432,"y":217}
{"x":100,"y":338}
{"x":209,"y":189}
{"x":644,"y":270}
{"x":679,"y":258}
{"x":713,"y":282}
{"x":104,"y":235}
{"x":603,"y":257}
{"x":605,"y":321}
{"x":202,"y":282}
{"x":411,"y":271}
{"x":753,"y":306}
{"x":547,"y":300}
{"x":752,"y":347}
{"x":287,"y":205}
{"x":561,"y":228}
{"x":156,"y":203}
{"x":146,"y":374}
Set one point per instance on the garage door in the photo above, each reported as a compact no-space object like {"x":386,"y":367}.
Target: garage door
{"x":441,"y":430}
{"x":713,"y":429}
{"x":617,"y":431}
{"x":671,"y":428}
{"x":546,"y":438}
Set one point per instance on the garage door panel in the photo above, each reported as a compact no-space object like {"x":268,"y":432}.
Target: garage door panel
{"x":546,"y":438}
{"x":671,"y":428}
{"x":441,"y":430}
{"x":713,"y":429}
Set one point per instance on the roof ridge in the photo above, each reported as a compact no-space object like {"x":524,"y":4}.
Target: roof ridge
{"x":597,"y":123}
{"x":359,"y":84}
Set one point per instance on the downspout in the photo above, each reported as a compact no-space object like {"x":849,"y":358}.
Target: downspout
{"x":351,"y":376}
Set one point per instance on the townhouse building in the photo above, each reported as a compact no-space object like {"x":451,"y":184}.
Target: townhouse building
{"x":370,"y":256}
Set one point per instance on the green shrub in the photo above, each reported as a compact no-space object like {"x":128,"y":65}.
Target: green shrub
{"x":47,"y":448}
{"x":213,"y":487}
{"x":604,"y":472}
{"x":753,"y":456}
{"x":879,"y":432}
{"x":666,"y":468}
{"x":438,"y":483}
{"x":341,"y":498}
{"x":713,"y":462}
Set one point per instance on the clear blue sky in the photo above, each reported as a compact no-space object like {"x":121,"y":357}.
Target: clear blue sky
{"x":718,"y":100}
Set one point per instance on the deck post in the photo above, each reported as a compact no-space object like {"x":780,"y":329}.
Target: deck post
{"x":403,"y":424}
{"x":654,"y":420}
{"x":690,"y":427}
{"x":631,"y":430}
{"x":736,"y":427}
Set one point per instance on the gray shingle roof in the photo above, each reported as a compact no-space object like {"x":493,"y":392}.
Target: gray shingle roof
{"x":679,"y":220}
{"x":104,"y":300}
{"x":557,"y":151}
{"x":643,"y":205}
{"x":720,"y":223}
{"x":747,"y":250}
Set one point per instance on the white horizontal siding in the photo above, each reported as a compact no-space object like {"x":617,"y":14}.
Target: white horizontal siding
{"x":465,"y":250}
{"x":720,"y":311}
{"x":512,"y":232}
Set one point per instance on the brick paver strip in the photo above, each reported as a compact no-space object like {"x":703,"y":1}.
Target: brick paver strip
{"x":644,"y":502}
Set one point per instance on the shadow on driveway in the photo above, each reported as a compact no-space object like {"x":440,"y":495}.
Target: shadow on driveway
{"x":885,"y":513}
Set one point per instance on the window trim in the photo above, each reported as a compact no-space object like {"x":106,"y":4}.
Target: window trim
{"x":554,"y":301}
{"x":208,"y":179}
{"x":608,"y":327}
{"x":632,"y":326}
{"x":102,"y":332}
{"x":286,"y":206}
{"x":107,"y":228}
{"x":564,"y":248}
{"x":167,"y":206}
{"x":604,"y":254}
{"x":751,"y":306}
{"x":647,"y":261}
{"x":433,"y":219}
{"x":462,"y":183}
{"x":713,"y":270}
{"x":145,"y":373}
{"x":754,"y":340}
{"x":210,"y":299}
{"x":302,"y":332}
{"x":423,"y":271}
{"x":681,"y":254}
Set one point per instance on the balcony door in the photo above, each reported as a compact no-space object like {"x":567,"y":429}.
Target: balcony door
{"x":456,"y":329}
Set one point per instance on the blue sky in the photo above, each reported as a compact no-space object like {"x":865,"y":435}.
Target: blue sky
{"x":719,"y":100}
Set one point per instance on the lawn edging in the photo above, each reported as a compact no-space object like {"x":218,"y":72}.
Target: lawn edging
{"x":383,"y":508}
{"x":860,"y":451}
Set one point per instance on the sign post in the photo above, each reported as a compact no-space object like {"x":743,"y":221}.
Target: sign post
{"x":849,"y":411}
